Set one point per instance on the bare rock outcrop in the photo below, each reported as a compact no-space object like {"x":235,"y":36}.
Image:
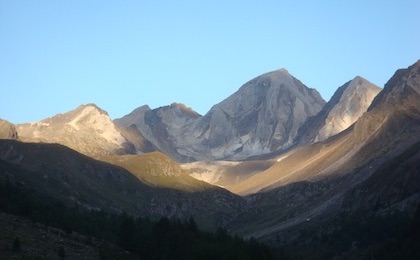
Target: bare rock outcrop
{"x":87,"y":129}
{"x":262,"y":117}
{"x":7,"y":130}
{"x":345,"y":107}
{"x":163,"y":127}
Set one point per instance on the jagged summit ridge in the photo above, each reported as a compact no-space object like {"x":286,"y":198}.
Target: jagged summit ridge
{"x":353,"y":102}
{"x":8,"y":130}
{"x":403,"y":83}
{"x":162,"y":126}
{"x":370,"y":169}
{"x":87,"y":129}
{"x":266,"y":115}
{"x":344,"y":108}
{"x":261,"y":117}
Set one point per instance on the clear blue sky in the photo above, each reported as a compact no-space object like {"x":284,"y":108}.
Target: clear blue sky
{"x":56,"y":55}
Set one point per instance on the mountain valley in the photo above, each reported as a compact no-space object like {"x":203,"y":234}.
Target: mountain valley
{"x":272,"y":162}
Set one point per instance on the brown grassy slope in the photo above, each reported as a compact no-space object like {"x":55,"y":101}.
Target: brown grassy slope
{"x":158,"y":170}
{"x":374,"y":161}
{"x":226,"y":174}
{"x":391,"y":122}
{"x":62,"y":174}
{"x":70,"y":177}
{"x":304,"y":163}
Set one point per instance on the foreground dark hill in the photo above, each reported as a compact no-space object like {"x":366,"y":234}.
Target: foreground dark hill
{"x":46,"y":232}
{"x":57,"y":172}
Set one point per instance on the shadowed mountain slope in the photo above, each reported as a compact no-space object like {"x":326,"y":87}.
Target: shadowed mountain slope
{"x":135,"y":137}
{"x":320,"y":197}
{"x":372,"y":168}
{"x":58,"y":172}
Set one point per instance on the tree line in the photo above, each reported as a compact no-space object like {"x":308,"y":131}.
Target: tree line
{"x":148,"y":239}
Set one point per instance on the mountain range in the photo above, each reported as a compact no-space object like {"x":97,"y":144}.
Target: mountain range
{"x":273,"y":161}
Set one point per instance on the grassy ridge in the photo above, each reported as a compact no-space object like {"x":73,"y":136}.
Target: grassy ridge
{"x":158,"y":170}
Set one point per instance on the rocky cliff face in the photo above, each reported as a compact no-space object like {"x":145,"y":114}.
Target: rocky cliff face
{"x":162,"y":126}
{"x":370,"y":169}
{"x":136,"y":138}
{"x":87,"y":129}
{"x":389,"y":127}
{"x":263,"y":116}
{"x":7,"y":130}
{"x":390,"y":131}
{"x":401,"y":91}
{"x":345,"y":107}
{"x":355,"y":100}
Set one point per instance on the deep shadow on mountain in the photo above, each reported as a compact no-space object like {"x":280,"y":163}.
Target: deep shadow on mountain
{"x":58,"y":172}
{"x":76,"y":233}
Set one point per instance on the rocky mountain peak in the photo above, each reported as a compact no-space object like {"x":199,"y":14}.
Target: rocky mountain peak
{"x":162,"y":126}
{"x":141,"y":109}
{"x":91,"y":107}
{"x":261,"y":117}
{"x":91,"y":115}
{"x":184,"y":109}
{"x":7,"y":130}
{"x":87,"y":129}
{"x":356,"y":97}
{"x":283,"y":70}
{"x":345,"y":107}
{"x":404,"y":83}
{"x":395,"y":109}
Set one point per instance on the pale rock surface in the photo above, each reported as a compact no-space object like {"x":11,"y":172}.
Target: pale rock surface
{"x":7,"y":130}
{"x":87,"y":129}
{"x":354,"y":101}
{"x":345,"y":107}
{"x":163,"y":126}
{"x":262,"y":117}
